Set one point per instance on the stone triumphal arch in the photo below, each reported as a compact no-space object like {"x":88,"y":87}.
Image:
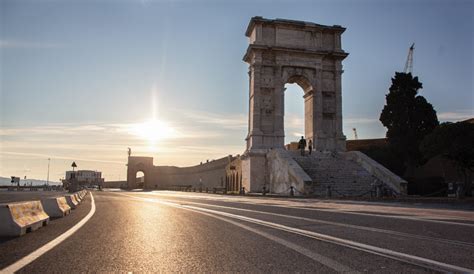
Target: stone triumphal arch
{"x":286,"y":51}
{"x":144,"y":164}
{"x":308,"y":54}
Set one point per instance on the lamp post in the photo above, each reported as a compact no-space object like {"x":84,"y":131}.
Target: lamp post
{"x":47,"y":178}
{"x":72,"y":180}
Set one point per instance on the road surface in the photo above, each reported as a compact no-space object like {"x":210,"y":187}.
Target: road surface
{"x":193,"y":232}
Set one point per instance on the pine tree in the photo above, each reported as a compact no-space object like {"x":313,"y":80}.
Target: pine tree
{"x":408,"y":118}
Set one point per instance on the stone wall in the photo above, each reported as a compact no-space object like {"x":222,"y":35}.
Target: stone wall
{"x":114,"y":184}
{"x":206,"y":175}
{"x":364,"y":144}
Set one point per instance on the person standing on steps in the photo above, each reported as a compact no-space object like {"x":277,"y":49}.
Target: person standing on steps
{"x":310,"y":146}
{"x":302,"y":145}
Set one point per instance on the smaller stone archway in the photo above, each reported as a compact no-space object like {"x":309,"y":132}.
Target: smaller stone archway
{"x":140,"y":164}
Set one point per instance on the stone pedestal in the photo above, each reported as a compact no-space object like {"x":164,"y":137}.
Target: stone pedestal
{"x":254,"y":169}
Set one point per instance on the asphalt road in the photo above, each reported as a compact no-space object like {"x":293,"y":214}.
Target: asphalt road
{"x":190,"y":232}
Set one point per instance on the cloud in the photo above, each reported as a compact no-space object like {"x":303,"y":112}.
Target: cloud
{"x":56,"y":129}
{"x":443,"y":116}
{"x":45,"y":156}
{"x":456,"y":116}
{"x":294,"y":121}
{"x":16,"y":44}
{"x":360,"y":120}
{"x":225,"y":121}
{"x":103,"y":145}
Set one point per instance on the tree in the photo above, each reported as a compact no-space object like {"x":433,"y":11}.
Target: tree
{"x":455,"y":142}
{"x":408,"y":118}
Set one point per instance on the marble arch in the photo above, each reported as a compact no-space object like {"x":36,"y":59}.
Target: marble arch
{"x":286,"y":51}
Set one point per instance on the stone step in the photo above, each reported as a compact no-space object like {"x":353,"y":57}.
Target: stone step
{"x":345,"y":177}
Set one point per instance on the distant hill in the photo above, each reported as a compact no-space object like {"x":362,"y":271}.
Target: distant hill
{"x":7,"y":182}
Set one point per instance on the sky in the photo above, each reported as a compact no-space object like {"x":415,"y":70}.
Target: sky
{"x":84,"y":80}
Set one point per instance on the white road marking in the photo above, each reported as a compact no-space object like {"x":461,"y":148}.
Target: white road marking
{"x":341,"y":211}
{"x":366,"y":228}
{"x":52,"y":244}
{"x":303,"y":251}
{"x":415,"y":260}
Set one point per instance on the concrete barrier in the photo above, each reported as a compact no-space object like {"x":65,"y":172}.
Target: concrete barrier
{"x":56,"y":207}
{"x":78,"y":199}
{"x":71,"y":201}
{"x":20,"y":218}
{"x":83,"y":194}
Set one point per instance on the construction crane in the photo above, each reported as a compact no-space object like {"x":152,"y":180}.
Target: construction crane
{"x":355,"y":133}
{"x":409,"y":63}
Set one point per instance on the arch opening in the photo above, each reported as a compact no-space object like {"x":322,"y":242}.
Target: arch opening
{"x":301,"y":81}
{"x":140,"y":179}
{"x":298,"y":107}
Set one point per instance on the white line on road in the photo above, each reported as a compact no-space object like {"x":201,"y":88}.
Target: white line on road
{"x":330,"y":263}
{"x":366,"y":228}
{"x":415,"y":260}
{"x":341,"y":268}
{"x":341,"y":211}
{"x":47,"y":247}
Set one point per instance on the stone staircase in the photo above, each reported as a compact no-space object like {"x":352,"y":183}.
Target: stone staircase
{"x":343,"y":176}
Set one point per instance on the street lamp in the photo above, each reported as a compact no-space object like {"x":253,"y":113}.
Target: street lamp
{"x":47,"y":179}
{"x":72,"y":184}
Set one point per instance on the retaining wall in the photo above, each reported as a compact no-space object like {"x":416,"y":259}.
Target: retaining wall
{"x":206,"y":175}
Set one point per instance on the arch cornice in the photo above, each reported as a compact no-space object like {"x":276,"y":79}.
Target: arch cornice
{"x":335,"y":54}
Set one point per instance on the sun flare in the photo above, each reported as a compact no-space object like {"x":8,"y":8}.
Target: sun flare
{"x":153,"y":130}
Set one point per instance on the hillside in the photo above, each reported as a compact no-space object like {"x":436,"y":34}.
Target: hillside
{"x":7,"y":182}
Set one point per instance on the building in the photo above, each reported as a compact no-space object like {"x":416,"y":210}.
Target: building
{"x":84,"y":178}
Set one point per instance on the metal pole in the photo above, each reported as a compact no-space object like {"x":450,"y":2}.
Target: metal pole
{"x":47,"y":179}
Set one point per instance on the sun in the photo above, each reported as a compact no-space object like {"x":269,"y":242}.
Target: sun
{"x":152,"y":130}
